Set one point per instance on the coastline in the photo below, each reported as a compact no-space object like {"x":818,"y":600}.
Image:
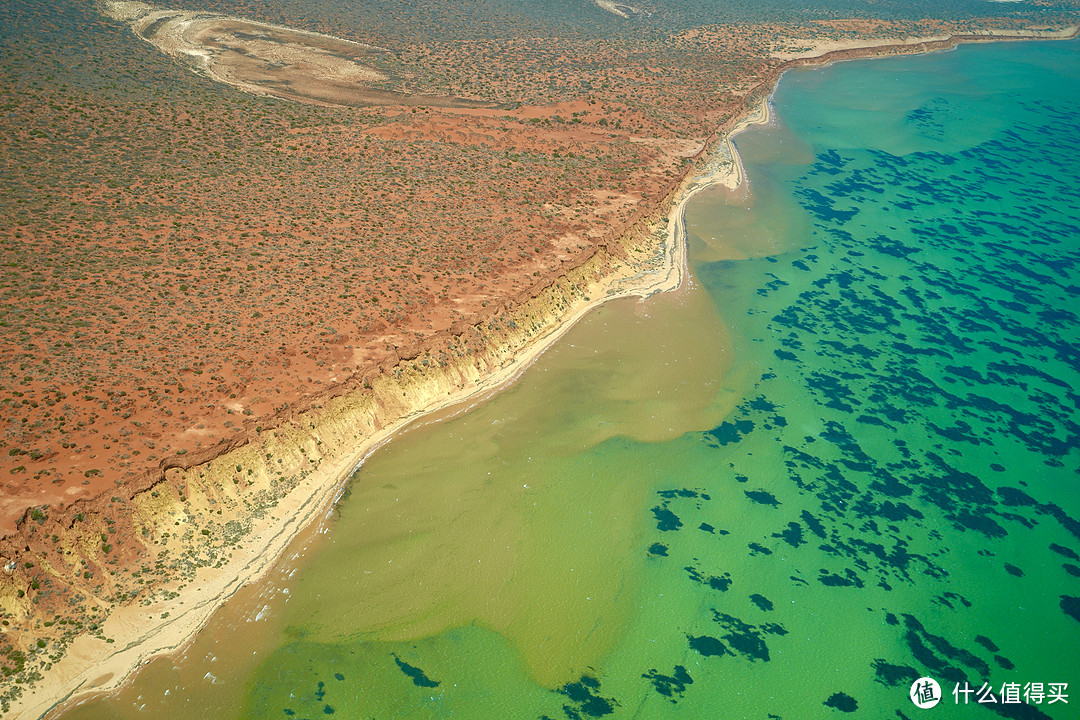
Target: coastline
{"x":82,"y":671}
{"x":823,"y":49}
{"x":87,"y":669}
{"x":761,"y":115}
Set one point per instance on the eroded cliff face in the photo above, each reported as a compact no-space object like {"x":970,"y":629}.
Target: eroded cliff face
{"x":66,"y":570}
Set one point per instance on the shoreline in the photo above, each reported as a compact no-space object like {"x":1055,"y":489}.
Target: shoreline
{"x":82,"y":672}
{"x":761,"y":115}
{"x":884,"y":46}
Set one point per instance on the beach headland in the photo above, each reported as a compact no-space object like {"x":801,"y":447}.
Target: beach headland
{"x":217,"y":523}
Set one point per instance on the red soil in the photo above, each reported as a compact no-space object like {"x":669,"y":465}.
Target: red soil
{"x":158,"y":334}
{"x":181,"y":264}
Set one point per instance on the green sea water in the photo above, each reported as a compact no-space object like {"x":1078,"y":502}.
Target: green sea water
{"x":844,"y":457}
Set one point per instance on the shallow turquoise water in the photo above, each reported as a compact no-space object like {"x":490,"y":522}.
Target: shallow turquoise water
{"x":893,"y":496}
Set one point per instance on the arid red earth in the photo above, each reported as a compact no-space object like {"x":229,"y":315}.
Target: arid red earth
{"x":184,"y":264}
{"x":180,"y":266}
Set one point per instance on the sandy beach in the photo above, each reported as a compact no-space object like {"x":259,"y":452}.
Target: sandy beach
{"x":140,"y":632}
{"x":809,"y":48}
